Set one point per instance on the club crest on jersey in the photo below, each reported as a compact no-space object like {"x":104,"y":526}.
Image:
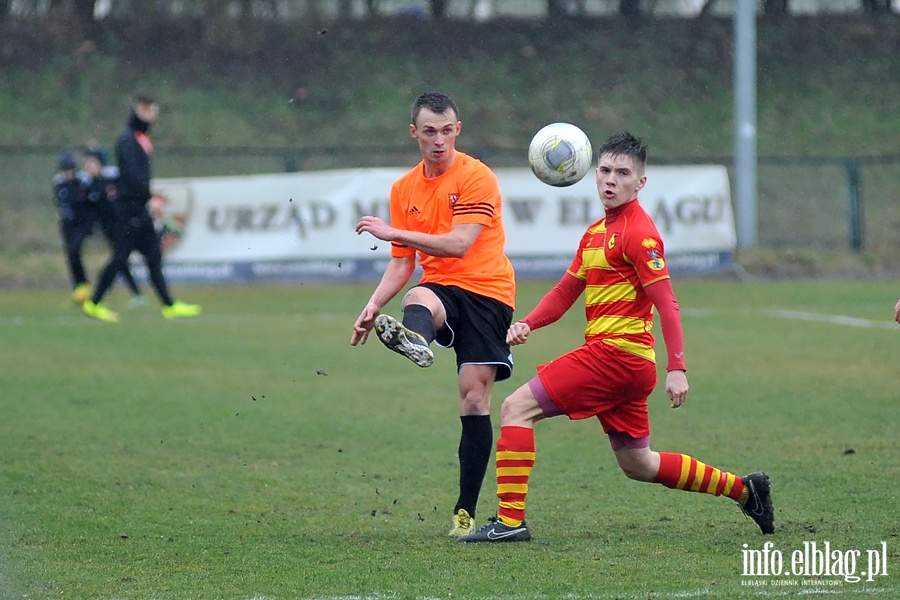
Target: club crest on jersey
{"x":611,"y":243}
{"x":453,"y":198}
{"x":657,"y":264}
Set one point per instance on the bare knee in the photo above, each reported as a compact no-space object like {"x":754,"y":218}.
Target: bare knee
{"x":428,"y":299}
{"x":640,"y":464}
{"x":520,"y":408}
{"x":636,"y":472}
{"x":476,"y":382}
{"x":508,"y":409}
{"x":475,"y":402}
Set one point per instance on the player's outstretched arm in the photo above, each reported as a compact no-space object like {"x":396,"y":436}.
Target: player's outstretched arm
{"x":549,"y":310}
{"x":396,"y":274}
{"x":897,"y":311}
{"x":454,"y":243}
{"x":663,"y":297}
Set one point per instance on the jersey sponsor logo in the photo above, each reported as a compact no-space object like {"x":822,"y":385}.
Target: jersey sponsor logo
{"x":650,"y":243}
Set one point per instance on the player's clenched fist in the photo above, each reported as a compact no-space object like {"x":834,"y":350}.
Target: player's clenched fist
{"x":518,"y":333}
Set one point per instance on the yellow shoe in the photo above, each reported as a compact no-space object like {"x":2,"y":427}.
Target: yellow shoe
{"x":463,"y":524}
{"x":99,"y":311}
{"x":181,"y":309}
{"x":81,"y":293}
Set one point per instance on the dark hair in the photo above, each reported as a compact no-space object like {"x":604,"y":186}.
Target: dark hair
{"x":436,"y":102}
{"x":143,"y":98}
{"x":96,"y":152}
{"x":66,"y":161}
{"x":625,"y":144}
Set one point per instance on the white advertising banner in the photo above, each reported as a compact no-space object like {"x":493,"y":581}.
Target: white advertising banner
{"x":302,"y":225}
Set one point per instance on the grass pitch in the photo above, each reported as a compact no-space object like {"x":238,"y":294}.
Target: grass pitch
{"x":252,"y":453}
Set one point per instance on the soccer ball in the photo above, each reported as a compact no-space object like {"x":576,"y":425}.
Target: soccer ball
{"x":560,"y":154}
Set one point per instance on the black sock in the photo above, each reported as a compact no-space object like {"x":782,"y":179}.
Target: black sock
{"x":417,"y":317}
{"x":475,"y":447}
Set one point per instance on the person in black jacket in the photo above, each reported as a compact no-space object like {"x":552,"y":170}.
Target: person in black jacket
{"x":98,"y":182}
{"x":75,"y":222}
{"x":133,"y":225}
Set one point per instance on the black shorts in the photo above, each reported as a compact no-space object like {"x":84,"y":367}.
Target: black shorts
{"x":476,"y":328}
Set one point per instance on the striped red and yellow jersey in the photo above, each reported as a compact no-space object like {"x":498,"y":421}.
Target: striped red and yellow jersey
{"x":618,"y":256}
{"x":467,"y":193}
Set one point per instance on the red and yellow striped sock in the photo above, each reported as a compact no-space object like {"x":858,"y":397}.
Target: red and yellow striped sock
{"x":683,"y":472}
{"x":515,"y":459}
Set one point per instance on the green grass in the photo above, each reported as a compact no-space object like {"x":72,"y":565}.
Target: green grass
{"x":252,"y":453}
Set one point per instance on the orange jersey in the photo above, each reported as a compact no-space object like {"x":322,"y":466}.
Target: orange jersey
{"x":618,"y":256}
{"x":467,"y":193}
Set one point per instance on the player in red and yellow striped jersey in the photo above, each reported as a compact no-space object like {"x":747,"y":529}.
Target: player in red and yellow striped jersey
{"x":447,"y":212}
{"x":620,"y":266}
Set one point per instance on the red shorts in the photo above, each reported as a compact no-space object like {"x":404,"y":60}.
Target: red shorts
{"x":603,"y":381}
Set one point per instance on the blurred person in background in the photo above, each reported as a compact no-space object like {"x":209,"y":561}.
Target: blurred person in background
{"x":897,"y":311}
{"x":133,"y":225}
{"x":446,"y":213}
{"x":98,"y":180}
{"x":75,"y":222}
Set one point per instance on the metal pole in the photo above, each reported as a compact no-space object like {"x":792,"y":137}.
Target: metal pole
{"x":745,"y":122}
{"x":855,"y":207}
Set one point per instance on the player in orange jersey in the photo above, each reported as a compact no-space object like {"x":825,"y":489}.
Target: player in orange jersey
{"x":447,"y":213}
{"x":620,"y":265}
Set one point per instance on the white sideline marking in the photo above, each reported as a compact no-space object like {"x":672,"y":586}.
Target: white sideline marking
{"x":832,"y":319}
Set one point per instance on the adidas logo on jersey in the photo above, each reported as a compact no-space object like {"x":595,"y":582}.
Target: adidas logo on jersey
{"x":414,"y":210}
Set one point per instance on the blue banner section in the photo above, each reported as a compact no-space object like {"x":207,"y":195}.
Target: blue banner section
{"x":323,"y":270}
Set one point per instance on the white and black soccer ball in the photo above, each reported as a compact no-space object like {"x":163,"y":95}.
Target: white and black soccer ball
{"x":560,"y":154}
